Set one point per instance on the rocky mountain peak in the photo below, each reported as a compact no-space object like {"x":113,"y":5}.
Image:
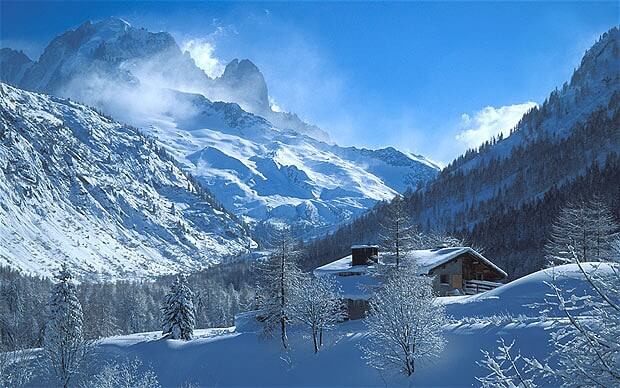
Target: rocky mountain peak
{"x":244,"y":76}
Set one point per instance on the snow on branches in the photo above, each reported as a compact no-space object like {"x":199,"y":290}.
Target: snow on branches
{"x":63,"y":344}
{"x":317,"y":305}
{"x":279,"y":277}
{"x":178,"y":315}
{"x":405,"y":324}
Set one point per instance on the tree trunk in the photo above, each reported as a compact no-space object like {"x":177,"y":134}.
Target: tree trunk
{"x":283,"y":330}
{"x":321,"y":337}
{"x":316,"y":347}
{"x":397,"y":243}
{"x":282,"y":302}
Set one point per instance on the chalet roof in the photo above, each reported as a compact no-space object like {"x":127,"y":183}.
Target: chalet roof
{"x":361,"y":246}
{"x":341,"y":265}
{"x":357,"y":286}
{"x":427,"y":259}
{"x":361,"y":281}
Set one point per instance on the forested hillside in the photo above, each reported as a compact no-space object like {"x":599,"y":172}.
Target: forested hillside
{"x":504,"y":195}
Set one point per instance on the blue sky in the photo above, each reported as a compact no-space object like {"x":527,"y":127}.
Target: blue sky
{"x":430,"y":78}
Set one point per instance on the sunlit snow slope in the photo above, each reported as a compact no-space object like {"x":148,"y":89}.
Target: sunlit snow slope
{"x":78,"y":187}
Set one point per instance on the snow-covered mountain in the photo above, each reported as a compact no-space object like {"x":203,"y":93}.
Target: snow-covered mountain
{"x":265,"y":166}
{"x":78,"y":187}
{"x":272,"y":175}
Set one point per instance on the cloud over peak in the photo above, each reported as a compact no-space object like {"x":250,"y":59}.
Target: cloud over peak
{"x":489,"y":122}
{"x":202,"y":52}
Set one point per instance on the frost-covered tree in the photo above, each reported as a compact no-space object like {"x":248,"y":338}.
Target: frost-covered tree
{"x":506,"y":369}
{"x":279,"y":277}
{"x":587,"y":228}
{"x":124,"y":375}
{"x":405,"y":323}
{"x":587,"y":348}
{"x":178,"y":315}
{"x":64,"y":347}
{"x":15,"y":369}
{"x":317,"y":305}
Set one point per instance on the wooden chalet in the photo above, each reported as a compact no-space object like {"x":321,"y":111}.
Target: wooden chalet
{"x":456,"y":271}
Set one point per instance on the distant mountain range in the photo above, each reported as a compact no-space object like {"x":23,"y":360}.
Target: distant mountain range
{"x":266,"y":167}
{"x":504,"y":195}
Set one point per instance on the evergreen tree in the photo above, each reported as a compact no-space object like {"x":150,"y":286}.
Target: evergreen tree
{"x":64,"y":346}
{"x":178,"y":316}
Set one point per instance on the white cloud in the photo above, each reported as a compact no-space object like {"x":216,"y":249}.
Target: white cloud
{"x":489,"y":122}
{"x":203,"y":53}
{"x":274,"y":105}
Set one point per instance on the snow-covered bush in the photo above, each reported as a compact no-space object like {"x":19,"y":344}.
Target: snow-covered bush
{"x":124,"y":375}
{"x":404,"y":324}
{"x":15,"y":371}
{"x":506,"y":369}
{"x":178,"y":317}
{"x":317,"y":305}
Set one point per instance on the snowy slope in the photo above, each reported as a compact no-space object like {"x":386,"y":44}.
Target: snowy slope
{"x":268,"y":167}
{"x":78,"y":187}
{"x":217,"y":356}
{"x":276,"y":175}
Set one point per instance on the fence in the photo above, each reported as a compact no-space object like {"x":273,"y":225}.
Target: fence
{"x":477,"y":286}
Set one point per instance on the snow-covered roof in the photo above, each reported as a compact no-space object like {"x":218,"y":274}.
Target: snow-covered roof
{"x":361,"y":246}
{"x":357,"y":286}
{"x":427,"y":259}
{"x":341,"y":265}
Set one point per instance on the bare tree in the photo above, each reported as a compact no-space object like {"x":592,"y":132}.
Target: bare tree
{"x":279,"y":276}
{"x":405,"y":323}
{"x":398,"y":235}
{"x":588,"y":228}
{"x":317,"y":304}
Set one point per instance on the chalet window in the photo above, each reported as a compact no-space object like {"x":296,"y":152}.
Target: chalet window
{"x":444,"y":279}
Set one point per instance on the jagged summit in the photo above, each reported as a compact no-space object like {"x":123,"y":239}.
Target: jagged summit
{"x":14,"y":65}
{"x":245,"y":77}
{"x":113,"y":22}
